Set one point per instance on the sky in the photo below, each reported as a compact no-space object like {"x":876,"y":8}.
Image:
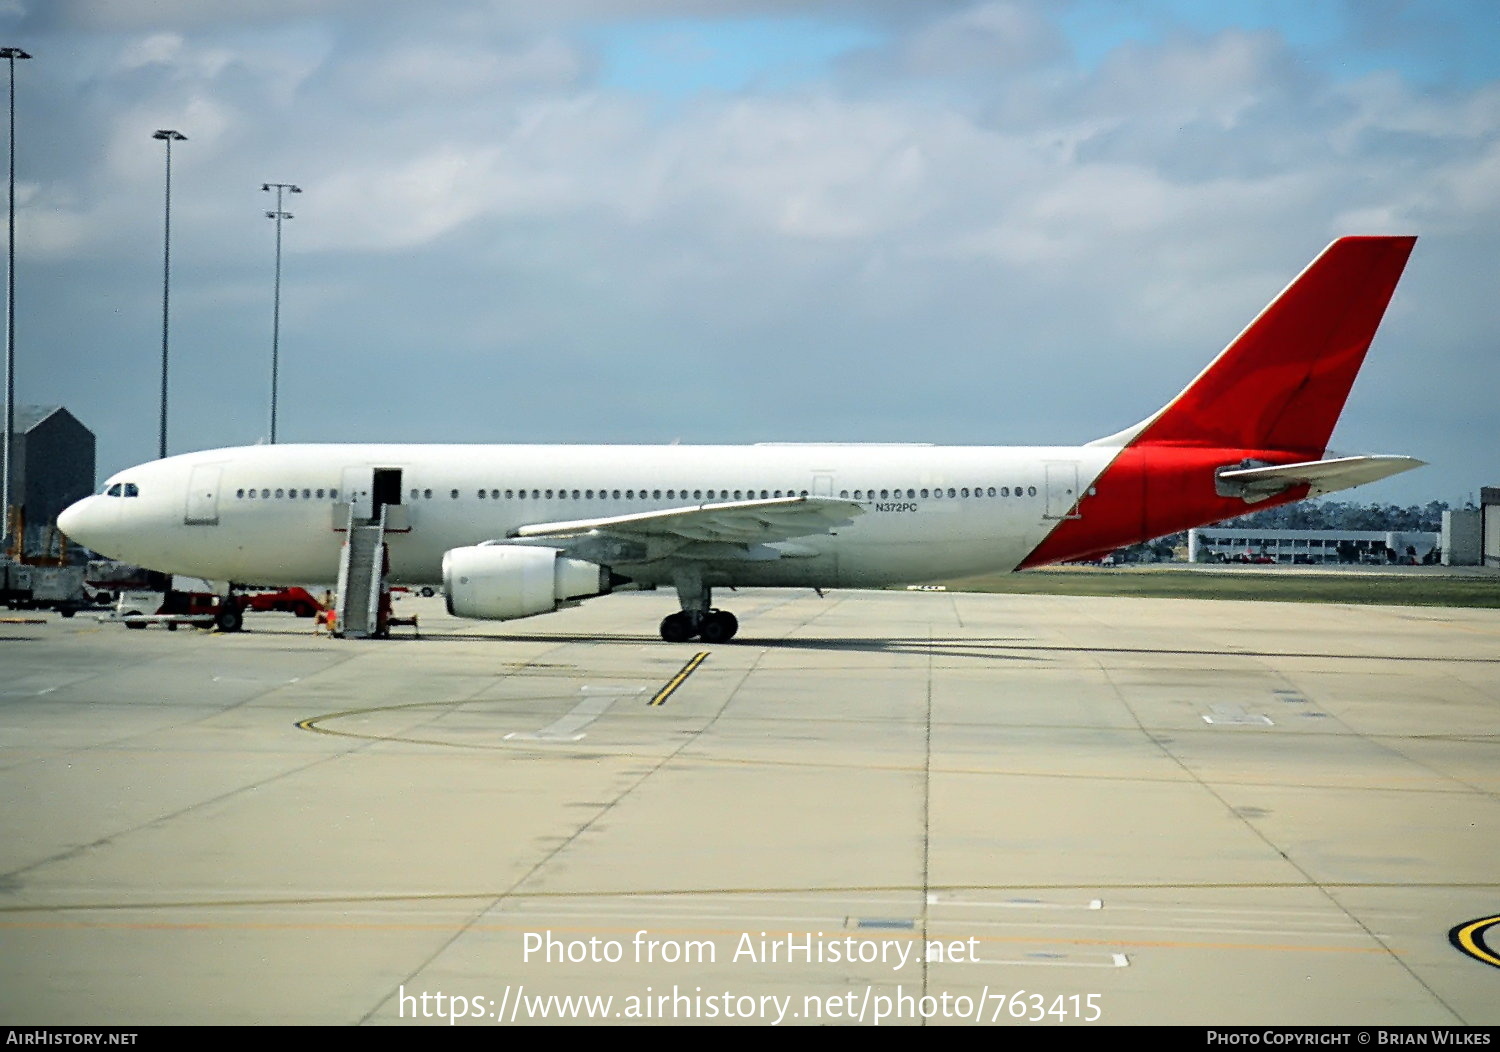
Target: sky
{"x":727,"y":221}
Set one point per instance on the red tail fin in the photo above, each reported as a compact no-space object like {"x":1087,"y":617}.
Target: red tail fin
{"x":1254,"y":425}
{"x":1283,"y":381}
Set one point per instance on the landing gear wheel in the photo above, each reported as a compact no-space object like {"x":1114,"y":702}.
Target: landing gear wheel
{"x":230,"y":617}
{"x":677,"y":628}
{"x":719,"y":626}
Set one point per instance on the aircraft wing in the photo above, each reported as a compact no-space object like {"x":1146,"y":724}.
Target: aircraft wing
{"x":1323,"y":476}
{"x":713,"y":530}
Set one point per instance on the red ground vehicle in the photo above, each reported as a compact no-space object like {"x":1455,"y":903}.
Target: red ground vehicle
{"x":297,"y":601}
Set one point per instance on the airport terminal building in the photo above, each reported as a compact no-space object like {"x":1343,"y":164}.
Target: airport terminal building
{"x":1222,"y":544}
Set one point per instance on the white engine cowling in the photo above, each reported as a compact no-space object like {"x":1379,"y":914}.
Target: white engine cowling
{"x":500,"y":582}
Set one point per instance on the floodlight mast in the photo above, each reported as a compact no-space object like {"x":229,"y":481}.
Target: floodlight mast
{"x":167,"y":136}
{"x":11,"y":54}
{"x":277,"y":215}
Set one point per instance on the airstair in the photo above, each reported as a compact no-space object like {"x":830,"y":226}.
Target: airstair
{"x":362,"y":596}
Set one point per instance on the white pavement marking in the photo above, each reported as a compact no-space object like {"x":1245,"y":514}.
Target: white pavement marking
{"x":596,"y":701}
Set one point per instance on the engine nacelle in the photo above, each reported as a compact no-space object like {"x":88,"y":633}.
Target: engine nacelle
{"x":500,"y":582}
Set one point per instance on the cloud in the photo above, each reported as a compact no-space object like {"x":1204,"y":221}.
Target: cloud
{"x":989,"y":39}
{"x":897,"y":245}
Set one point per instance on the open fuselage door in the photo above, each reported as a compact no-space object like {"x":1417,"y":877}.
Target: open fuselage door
{"x":385,"y":488}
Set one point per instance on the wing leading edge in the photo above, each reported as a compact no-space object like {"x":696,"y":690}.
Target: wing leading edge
{"x":734,"y":530}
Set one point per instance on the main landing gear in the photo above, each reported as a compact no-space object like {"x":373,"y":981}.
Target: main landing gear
{"x":711,"y":626}
{"x":697,"y":620}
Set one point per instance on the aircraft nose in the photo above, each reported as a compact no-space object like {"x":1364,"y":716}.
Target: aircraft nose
{"x":75,"y":520}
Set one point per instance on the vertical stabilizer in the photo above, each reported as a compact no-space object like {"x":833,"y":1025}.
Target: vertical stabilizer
{"x":1253,"y":427}
{"x":1282,"y":383}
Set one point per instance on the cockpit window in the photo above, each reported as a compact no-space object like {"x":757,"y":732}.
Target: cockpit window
{"x":131,"y":491}
{"x":113,"y":491}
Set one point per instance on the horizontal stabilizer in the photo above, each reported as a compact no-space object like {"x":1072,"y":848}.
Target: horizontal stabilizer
{"x":1323,"y":476}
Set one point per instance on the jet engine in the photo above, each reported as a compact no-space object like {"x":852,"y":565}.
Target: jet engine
{"x":499,"y":582}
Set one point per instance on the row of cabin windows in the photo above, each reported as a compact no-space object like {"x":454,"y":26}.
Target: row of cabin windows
{"x":962,"y":491}
{"x":629,"y":494}
{"x":288,"y":494}
{"x":129,"y":490}
{"x":724,"y":494}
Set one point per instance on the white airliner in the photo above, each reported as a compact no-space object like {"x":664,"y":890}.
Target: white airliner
{"x":513,"y":531}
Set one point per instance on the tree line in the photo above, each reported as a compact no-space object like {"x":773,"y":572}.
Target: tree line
{"x":1343,"y":515}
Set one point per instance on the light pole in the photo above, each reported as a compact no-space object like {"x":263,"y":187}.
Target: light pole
{"x":169,"y":137}
{"x":277,"y":215}
{"x":10,"y":53}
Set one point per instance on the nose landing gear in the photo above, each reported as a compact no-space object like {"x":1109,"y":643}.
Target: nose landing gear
{"x":230,"y":617}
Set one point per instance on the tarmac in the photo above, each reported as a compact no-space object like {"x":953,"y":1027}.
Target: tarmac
{"x":892,"y":807}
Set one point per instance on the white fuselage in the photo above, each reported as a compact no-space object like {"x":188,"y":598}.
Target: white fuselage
{"x":276,"y":514}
